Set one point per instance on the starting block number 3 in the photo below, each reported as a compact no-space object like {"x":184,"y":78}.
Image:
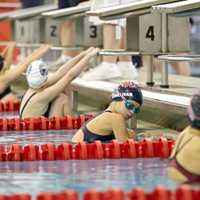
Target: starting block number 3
{"x":93,"y":31}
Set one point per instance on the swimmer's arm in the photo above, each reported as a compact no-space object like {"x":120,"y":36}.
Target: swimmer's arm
{"x":11,"y":74}
{"x":51,"y":92}
{"x":3,"y":53}
{"x":65,"y":68}
{"x":9,"y":54}
{"x":119,"y":128}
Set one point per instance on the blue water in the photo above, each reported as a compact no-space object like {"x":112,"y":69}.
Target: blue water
{"x":82,"y":175}
{"x":9,"y":115}
{"x":35,"y":137}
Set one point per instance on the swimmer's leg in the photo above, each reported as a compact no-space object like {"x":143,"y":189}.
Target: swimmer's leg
{"x":61,"y":106}
{"x":110,"y":41}
{"x":67,"y":35}
{"x":182,"y":68}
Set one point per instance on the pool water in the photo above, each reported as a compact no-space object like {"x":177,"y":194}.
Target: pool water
{"x":36,"y":137}
{"x":82,"y":175}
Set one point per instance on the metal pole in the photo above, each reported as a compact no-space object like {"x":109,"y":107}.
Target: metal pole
{"x":164,"y":80}
{"x":150,"y":70}
{"x":164,"y":71}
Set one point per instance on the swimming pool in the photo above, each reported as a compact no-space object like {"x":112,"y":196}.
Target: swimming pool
{"x":82,"y":175}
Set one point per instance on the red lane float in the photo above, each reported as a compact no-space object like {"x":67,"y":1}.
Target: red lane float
{"x":85,"y":151}
{"x":10,"y":106}
{"x":20,"y":197}
{"x":159,"y":193}
{"x":42,"y":123}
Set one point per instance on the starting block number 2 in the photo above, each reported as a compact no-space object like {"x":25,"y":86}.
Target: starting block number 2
{"x":53,"y":30}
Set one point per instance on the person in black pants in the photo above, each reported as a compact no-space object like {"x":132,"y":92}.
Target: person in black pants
{"x":67,"y":3}
{"x":31,"y":3}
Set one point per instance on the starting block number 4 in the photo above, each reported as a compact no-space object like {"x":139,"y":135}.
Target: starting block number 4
{"x":144,"y":33}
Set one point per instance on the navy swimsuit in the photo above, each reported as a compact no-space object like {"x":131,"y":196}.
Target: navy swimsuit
{"x":91,"y":137}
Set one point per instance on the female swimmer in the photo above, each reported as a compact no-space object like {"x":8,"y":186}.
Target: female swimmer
{"x":184,"y":160}
{"x":126,"y":102}
{"x":8,"y":75}
{"x":45,"y":95}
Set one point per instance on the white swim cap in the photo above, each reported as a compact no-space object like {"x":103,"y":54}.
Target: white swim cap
{"x":37,"y":74}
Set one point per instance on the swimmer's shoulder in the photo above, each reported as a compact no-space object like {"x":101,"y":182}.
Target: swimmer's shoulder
{"x":114,"y":116}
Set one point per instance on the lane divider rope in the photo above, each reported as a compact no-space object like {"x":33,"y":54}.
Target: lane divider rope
{"x":183,"y":192}
{"x":42,"y":123}
{"x":84,"y":151}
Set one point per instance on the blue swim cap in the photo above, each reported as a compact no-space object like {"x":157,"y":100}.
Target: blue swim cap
{"x":129,"y":91}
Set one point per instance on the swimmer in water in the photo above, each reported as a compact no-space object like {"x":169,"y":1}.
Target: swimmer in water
{"x":111,"y":124}
{"x":45,"y":96}
{"x":184,"y":160}
{"x":8,"y":74}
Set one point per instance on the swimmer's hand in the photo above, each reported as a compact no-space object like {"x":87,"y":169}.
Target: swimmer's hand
{"x":37,"y":53}
{"x":12,"y":43}
{"x":131,"y":133}
{"x":94,"y":52}
{"x":46,"y":46}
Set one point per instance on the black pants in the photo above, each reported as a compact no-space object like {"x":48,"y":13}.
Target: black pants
{"x":31,"y":3}
{"x":67,"y":3}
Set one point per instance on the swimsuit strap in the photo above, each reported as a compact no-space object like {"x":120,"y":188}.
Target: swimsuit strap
{"x":109,"y":111}
{"x":22,"y":110}
{"x":5,"y":92}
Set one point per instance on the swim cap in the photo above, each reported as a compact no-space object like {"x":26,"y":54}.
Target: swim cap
{"x":1,"y":62}
{"x":37,"y":74}
{"x":129,"y":91}
{"x":194,"y":110}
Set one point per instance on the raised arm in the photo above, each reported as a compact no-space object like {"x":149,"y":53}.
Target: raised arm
{"x":3,"y":53}
{"x":13,"y":74}
{"x":66,"y":67}
{"x":8,"y":55}
{"x":51,"y":92}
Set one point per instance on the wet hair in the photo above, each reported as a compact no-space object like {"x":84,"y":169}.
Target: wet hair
{"x":1,"y":62}
{"x":129,"y":91}
{"x":194,"y":111}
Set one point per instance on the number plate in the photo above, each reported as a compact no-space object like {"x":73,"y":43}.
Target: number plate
{"x":28,"y":31}
{"x":52,"y":29}
{"x":150,"y":32}
{"x":88,"y":34}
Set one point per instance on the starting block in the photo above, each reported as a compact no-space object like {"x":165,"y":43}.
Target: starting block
{"x":87,"y":33}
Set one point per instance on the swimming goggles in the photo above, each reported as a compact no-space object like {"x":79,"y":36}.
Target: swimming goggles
{"x":131,"y":107}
